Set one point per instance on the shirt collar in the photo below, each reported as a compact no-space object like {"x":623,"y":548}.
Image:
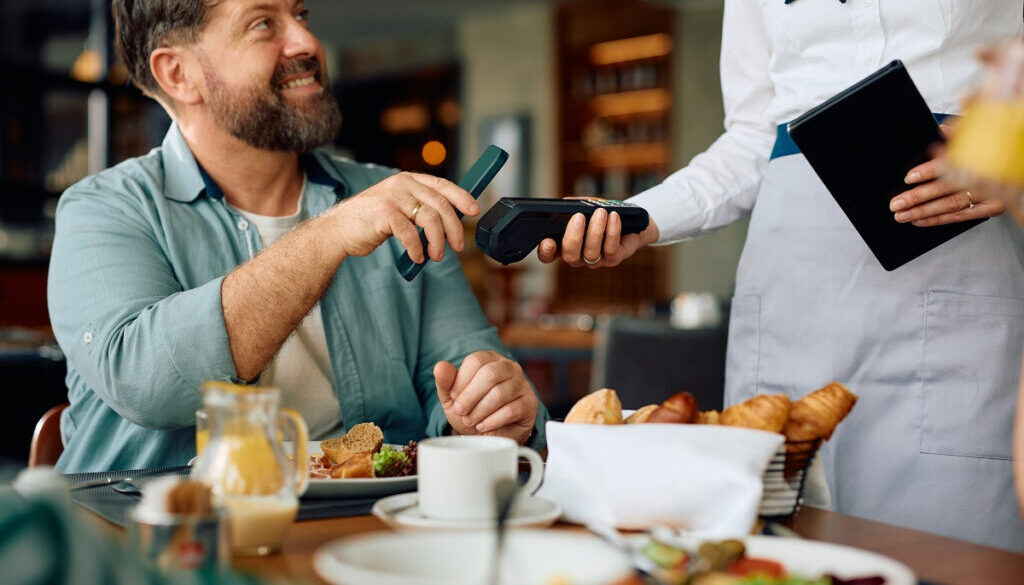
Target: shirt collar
{"x":185,"y":179}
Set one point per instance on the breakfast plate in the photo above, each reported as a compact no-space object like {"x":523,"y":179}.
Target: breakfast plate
{"x":810,"y":558}
{"x":402,"y":512}
{"x":357,"y":487}
{"x":529,"y":557}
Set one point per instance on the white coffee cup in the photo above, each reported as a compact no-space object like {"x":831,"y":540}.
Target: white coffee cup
{"x":456,"y":475}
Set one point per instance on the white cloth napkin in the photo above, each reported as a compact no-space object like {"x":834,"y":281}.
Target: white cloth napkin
{"x":703,"y":479}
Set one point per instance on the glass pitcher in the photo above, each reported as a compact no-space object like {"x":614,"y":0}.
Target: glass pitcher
{"x":253,"y":480}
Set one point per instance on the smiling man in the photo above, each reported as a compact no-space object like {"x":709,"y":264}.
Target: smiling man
{"x":239,"y":250}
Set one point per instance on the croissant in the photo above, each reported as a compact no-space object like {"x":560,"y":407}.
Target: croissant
{"x":601,"y":407}
{"x":816,"y":415}
{"x":678,"y":408}
{"x":766,"y":412}
{"x":642,"y":415}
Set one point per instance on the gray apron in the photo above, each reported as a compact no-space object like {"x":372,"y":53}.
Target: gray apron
{"x":933,"y":349}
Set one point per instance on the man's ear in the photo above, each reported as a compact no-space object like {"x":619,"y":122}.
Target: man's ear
{"x":174,"y":76}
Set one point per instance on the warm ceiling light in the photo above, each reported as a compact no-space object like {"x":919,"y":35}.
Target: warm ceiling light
{"x":449,"y":112}
{"x":407,"y":118}
{"x":631,"y":49}
{"x":88,"y":66}
{"x":434,"y":153}
{"x":632,"y":102}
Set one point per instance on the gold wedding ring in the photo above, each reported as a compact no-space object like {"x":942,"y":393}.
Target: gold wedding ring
{"x":415,"y":210}
{"x":970,"y":200}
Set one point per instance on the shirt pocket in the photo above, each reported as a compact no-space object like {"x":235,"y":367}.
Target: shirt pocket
{"x":744,"y":350}
{"x":969,"y":390}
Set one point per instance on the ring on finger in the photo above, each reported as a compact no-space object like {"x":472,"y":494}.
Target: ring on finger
{"x":415,"y":210}
{"x":590,"y":262}
{"x":970,"y":200}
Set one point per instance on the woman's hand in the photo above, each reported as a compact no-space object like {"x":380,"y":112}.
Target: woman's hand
{"x":937,"y":200}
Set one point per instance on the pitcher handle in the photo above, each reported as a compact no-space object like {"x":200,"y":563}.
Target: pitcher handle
{"x":295,"y":426}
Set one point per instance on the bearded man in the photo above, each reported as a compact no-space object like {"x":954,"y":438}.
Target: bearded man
{"x":241,"y":251}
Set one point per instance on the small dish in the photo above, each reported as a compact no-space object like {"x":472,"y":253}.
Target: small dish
{"x":402,"y":512}
{"x":809,"y":558}
{"x":531,"y":557}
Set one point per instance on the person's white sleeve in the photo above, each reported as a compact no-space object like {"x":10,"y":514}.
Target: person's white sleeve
{"x":720,"y":185}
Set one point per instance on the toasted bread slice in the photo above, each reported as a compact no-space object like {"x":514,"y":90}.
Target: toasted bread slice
{"x":362,"y":439}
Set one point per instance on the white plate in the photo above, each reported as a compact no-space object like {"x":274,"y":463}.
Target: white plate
{"x":403,"y":512}
{"x":811,"y":558}
{"x":530,"y":557}
{"x":357,"y":487}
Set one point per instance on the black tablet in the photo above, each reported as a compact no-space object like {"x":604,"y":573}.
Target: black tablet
{"x":861,"y":143}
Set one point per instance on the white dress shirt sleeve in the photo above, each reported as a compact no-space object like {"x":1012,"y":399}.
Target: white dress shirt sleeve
{"x":720,"y":185}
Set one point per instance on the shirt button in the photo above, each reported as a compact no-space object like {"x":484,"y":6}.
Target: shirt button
{"x":868,"y":61}
{"x":867,"y":3}
{"x":87,"y":337}
{"x":243,"y":225}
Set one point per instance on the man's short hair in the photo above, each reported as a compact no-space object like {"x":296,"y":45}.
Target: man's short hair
{"x":142,"y":26}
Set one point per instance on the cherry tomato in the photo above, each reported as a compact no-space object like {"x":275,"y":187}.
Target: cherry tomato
{"x":754,"y":566}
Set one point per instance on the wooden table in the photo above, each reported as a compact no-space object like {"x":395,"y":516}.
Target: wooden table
{"x":940,"y":560}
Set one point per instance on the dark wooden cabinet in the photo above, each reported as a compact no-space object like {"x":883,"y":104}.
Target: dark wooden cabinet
{"x":615,"y":103}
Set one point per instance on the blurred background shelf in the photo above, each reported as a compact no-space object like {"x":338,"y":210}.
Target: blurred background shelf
{"x":592,"y":97}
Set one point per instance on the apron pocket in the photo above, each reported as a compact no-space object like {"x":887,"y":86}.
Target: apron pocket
{"x":969,"y":385}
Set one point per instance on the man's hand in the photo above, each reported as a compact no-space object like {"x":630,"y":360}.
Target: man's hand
{"x":596,"y":245}
{"x":488,"y":395}
{"x":937,"y":200}
{"x":398,"y":204}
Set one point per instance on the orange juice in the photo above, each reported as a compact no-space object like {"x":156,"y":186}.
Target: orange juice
{"x":989,"y":141}
{"x":202,"y":438}
{"x":258,"y":525}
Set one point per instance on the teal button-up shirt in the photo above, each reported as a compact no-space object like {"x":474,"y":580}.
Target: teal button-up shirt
{"x":134,"y":284}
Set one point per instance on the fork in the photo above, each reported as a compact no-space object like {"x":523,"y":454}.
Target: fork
{"x":97,"y":482}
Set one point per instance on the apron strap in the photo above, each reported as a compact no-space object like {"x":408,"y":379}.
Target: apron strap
{"x":784,"y":145}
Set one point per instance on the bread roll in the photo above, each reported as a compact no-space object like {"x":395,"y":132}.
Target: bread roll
{"x":363,"y":438}
{"x":765,"y":412}
{"x":709,"y":417}
{"x":816,"y":415}
{"x":597,"y":408}
{"x":678,"y":408}
{"x":641,"y":415}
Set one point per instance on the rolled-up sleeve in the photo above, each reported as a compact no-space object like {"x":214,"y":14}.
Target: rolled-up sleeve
{"x":135,"y":335}
{"x":720,"y":185}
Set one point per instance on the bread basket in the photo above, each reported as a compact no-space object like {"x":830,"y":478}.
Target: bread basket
{"x":784,"y":479}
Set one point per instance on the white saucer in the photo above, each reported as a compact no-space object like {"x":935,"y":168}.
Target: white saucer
{"x":402,"y":511}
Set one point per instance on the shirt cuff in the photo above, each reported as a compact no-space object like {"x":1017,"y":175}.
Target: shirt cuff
{"x":678,"y":214}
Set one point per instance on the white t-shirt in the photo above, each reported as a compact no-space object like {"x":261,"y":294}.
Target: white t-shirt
{"x":302,"y":367}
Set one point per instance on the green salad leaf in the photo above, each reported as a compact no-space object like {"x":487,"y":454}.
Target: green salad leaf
{"x":389,"y":462}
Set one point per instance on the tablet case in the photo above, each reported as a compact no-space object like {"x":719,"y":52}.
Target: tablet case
{"x":861,"y":143}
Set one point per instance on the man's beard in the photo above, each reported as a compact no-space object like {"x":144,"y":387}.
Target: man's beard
{"x":264,"y":118}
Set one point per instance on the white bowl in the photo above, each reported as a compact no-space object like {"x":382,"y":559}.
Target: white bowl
{"x":530,"y":557}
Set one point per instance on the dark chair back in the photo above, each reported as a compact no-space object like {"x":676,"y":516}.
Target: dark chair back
{"x":646,"y":360}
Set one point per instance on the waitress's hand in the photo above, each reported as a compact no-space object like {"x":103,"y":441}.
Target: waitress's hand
{"x":596,"y":245}
{"x":936,"y":200}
